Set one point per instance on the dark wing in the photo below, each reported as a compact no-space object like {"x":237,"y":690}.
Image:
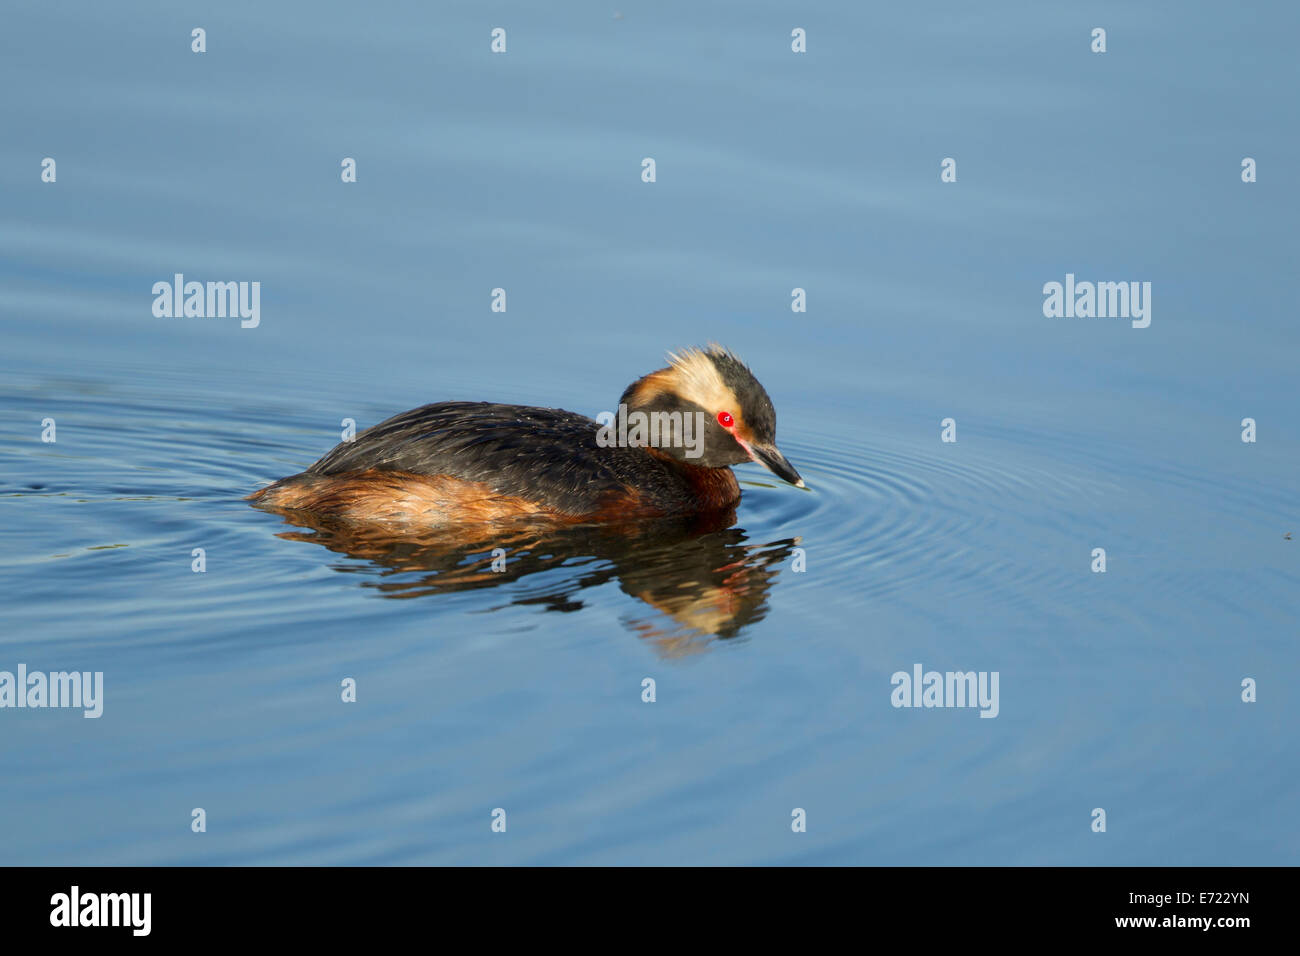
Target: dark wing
{"x":542,"y":454}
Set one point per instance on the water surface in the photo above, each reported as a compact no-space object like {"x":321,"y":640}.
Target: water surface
{"x":523,"y":690}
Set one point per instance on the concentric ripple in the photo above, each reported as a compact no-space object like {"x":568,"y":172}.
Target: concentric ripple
{"x":1010,"y":517}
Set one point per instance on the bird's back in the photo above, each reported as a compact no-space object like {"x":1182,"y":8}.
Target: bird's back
{"x":545,"y":454}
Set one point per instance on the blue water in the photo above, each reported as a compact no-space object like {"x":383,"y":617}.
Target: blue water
{"x":774,"y":170}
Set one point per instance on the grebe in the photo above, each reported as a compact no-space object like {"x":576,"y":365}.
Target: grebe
{"x":456,"y":462}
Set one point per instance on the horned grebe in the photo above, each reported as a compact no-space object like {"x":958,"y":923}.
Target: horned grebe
{"x":454,"y":462}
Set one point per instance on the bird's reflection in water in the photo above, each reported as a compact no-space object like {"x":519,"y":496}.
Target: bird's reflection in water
{"x":702,"y":576}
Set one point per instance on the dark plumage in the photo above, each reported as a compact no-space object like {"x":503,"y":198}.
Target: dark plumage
{"x":520,"y":450}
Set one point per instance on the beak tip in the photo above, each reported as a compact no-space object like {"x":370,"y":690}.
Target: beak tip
{"x":770,"y":458}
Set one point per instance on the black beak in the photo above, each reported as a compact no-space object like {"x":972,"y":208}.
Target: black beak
{"x":774,"y":461}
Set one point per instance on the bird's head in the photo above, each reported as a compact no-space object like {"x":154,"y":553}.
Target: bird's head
{"x":717,"y":389}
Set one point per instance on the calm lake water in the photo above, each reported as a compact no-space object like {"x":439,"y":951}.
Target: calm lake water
{"x":772,"y":643}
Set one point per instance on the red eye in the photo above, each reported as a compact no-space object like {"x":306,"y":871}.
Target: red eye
{"x":725,"y":419}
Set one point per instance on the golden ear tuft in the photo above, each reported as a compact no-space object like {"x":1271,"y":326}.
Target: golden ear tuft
{"x":690,"y":357}
{"x":696,"y":377}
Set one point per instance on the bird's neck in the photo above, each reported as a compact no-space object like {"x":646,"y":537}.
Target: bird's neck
{"x":710,"y":487}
